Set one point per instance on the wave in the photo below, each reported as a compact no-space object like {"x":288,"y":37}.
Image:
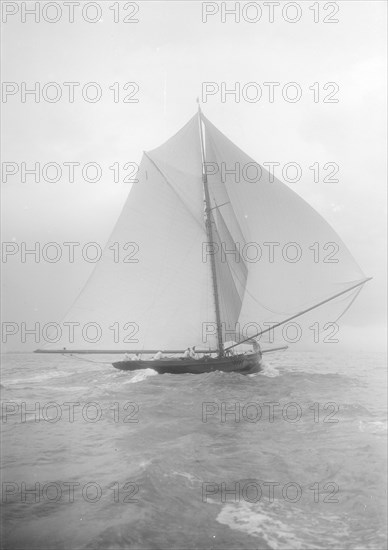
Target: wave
{"x":286,"y":528}
{"x":268,"y":370}
{"x":39,"y":377}
{"x":141,"y":375}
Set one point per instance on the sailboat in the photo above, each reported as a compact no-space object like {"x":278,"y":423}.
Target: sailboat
{"x":202,"y":225}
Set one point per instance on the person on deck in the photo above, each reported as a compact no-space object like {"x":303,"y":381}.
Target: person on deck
{"x":256,"y":347}
{"x":193,"y":354}
{"x":187,"y":354}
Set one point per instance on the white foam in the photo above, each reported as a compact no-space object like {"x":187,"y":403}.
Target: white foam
{"x":373,"y":427}
{"x":268,"y":370}
{"x":141,"y":375}
{"x":282,"y":528}
{"x":192,"y":479}
{"x":260,"y":523}
{"x":38,"y":378}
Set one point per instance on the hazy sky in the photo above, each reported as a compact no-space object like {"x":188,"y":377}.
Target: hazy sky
{"x":169,"y":53}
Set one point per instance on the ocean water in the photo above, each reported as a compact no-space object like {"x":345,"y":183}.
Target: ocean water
{"x":290,"y":458}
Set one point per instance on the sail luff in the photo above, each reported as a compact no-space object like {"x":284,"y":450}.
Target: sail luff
{"x":300,"y":313}
{"x":209,"y":233}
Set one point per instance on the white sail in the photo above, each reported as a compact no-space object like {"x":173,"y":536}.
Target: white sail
{"x":167,"y":293}
{"x":164,"y":296}
{"x":272,"y":226}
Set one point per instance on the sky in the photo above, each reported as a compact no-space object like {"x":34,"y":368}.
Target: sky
{"x":170,"y":53}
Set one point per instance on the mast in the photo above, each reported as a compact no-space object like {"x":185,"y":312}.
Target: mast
{"x":210,"y":240}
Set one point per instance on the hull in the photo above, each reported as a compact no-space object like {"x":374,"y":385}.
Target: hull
{"x":244,"y":364}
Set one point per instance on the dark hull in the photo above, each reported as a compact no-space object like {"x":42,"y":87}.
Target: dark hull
{"x":244,"y":364}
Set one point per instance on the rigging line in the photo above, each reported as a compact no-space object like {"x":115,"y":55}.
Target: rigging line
{"x":97,"y":265}
{"x":357,"y":292}
{"x":173,"y":190}
{"x":224,"y":227}
{"x":234,"y":215}
{"x":351,"y":302}
{"x":231,"y":265}
{"x":271,"y":310}
{"x":228,"y":265}
{"x":227,"y":271}
{"x":229,"y":318}
{"x":86,"y":360}
{"x":244,"y":284}
{"x":301,"y":312}
{"x":247,"y":291}
{"x":218,"y":205}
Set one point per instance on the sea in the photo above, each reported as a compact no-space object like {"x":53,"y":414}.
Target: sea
{"x":293,"y":457}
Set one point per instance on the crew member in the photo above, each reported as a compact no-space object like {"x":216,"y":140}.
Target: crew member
{"x":193,"y":354}
{"x":256,"y":347}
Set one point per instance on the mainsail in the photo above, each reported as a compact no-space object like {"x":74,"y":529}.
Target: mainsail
{"x":163,"y":296}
